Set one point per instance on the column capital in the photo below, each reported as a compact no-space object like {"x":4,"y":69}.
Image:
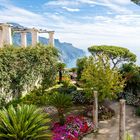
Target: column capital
{"x":34,"y":30}
{"x":5,"y":25}
{"x":50,"y":32}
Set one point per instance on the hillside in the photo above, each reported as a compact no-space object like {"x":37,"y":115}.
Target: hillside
{"x":69,"y":53}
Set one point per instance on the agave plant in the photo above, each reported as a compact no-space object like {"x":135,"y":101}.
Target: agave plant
{"x":61,"y":102}
{"x":25,"y":122}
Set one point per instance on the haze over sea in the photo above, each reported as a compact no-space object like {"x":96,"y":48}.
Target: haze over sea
{"x":80,"y":22}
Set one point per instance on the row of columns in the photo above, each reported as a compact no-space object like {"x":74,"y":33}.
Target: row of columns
{"x":6,"y":36}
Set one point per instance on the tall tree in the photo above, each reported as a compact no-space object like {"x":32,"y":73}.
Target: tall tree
{"x":116,"y":54}
{"x":97,"y":76}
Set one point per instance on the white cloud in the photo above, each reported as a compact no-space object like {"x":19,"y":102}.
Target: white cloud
{"x":71,"y":9}
{"x":115,"y":5}
{"x":11,"y":13}
{"x":61,"y":3}
{"x":102,"y":30}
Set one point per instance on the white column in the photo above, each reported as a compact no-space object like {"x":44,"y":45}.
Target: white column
{"x":23,"y":39}
{"x":1,"y":39}
{"x":34,"y":33}
{"x":7,"y":34}
{"x":51,"y":38}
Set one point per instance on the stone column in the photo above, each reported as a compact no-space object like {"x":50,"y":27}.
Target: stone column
{"x":1,"y":38}
{"x":7,"y":34}
{"x":51,"y":38}
{"x":34,"y":33}
{"x":122,"y":120}
{"x":23,"y":39}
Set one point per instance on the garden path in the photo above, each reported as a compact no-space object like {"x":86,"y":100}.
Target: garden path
{"x":108,"y":130}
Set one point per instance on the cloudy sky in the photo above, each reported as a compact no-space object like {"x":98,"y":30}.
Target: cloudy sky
{"x":80,"y":22}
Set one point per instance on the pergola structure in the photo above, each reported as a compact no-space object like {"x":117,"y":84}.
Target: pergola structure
{"x":6,"y":35}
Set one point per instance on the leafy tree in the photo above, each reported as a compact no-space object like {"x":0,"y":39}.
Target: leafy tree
{"x":61,"y":102}
{"x":117,"y":55}
{"x":23,"y":123}
{"x":97,"y":76}
{"x":131,"y":73}
{"x":136,"y":1}
{"x":61,"y":67}
{"x":80,"y":66}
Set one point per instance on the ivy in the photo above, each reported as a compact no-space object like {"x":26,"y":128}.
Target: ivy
{"x":21,"y":69}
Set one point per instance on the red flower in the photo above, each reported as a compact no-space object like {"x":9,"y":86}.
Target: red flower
{"x":84,"y":128}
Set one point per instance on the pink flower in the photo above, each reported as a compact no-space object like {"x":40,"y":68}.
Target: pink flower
{"x":74,"y":127}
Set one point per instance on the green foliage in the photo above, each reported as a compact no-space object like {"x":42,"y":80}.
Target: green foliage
{"x":80,"y":66}
{"x":128,"y":137}
{"x":35,"y":97}
{"x":138,"y":111}
{"x":24,"y":122}
{"x":100,"y":77}
{"x":82,"y":97}
{"x":117,"y":55}
{"x":61,"y":102}
{"x":131,"y":98}
{"x":136,"y":1}
{"x":131,"y":73}
{"x":21,"y":69}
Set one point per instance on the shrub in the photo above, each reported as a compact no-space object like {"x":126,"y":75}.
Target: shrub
{"x":81,"y":97}
{"x":66,"y":87}
{"x":35,"y":97}
{"x":61,"y":102}
{"x":104,"y":112}
{"x":130,"y":98}
{"x":23,"y":122}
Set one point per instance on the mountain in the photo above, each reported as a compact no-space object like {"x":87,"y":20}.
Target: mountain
{"x":68,"y":52}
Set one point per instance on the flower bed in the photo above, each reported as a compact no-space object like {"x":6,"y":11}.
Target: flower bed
{"x":74,"y":128}
{"x":104,"y":112}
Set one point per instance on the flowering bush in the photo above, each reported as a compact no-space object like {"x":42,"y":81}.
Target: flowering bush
{"x":74,"y":128}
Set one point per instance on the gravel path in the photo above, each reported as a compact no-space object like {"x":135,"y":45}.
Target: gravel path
{"x":108,"y":130}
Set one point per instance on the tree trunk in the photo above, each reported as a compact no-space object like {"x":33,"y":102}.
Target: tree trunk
{"x":61,"y":117}
{"x":60,"y":76}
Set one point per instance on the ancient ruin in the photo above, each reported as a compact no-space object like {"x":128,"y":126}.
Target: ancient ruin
{"x":6,"y":35}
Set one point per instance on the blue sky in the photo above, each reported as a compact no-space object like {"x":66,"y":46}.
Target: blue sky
{"x":80,"y":22}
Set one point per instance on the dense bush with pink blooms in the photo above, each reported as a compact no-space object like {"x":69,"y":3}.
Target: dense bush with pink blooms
{"x":73,"y":129}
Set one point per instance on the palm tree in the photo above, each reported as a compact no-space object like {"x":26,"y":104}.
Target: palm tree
{"x":61,"y":101}
{"x":23,"y":123}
